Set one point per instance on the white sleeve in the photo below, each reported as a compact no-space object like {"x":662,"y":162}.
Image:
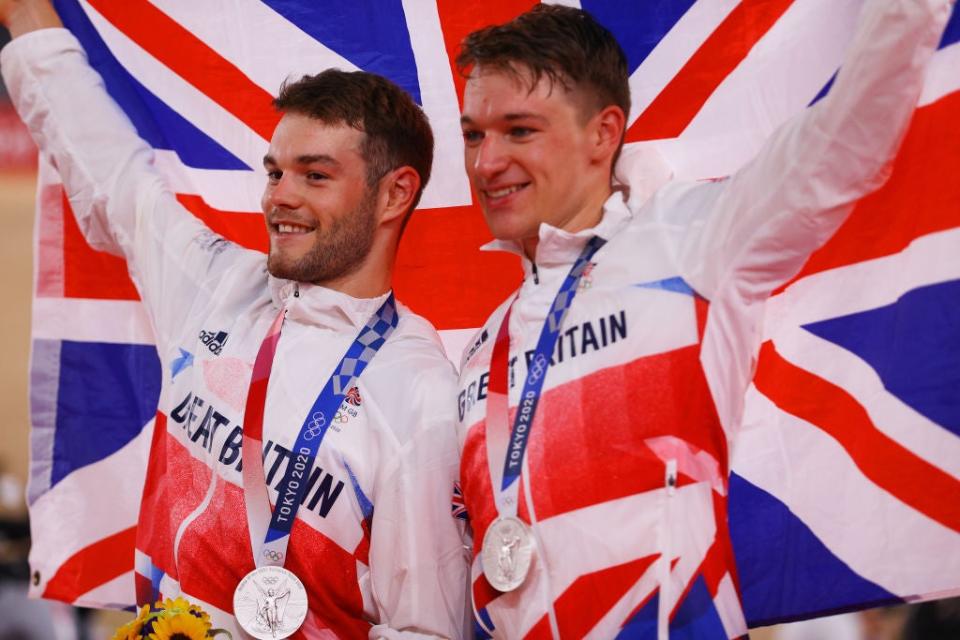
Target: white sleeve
{"x":121,"y":202}
{"x":755,"y":230}
{"x":418,"y":561}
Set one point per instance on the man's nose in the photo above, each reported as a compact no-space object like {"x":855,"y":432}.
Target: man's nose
{"x":491,"y":157}
{"x":284,"y":193}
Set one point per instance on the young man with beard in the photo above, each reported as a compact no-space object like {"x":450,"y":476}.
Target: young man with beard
{"x":606,"y":392}
{"x":348,"y":440}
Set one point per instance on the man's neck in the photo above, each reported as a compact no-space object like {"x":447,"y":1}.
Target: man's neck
{"x":359,"y":285}
{"x":373,"y":277}
{"x":587,"y":218}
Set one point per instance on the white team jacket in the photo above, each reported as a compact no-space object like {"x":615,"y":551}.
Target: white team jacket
{"x":374,"y":543}
{"x":626,"y":469}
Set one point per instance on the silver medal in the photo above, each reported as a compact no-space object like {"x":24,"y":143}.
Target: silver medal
{"x":506,"y":553}
{"x":270,"y":603}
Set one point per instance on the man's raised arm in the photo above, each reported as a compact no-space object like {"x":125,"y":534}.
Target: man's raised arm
{"x":798,"y":190}
{"x":24,"y":16}
{"x":106,"y":168}
{"x":121,"y":202}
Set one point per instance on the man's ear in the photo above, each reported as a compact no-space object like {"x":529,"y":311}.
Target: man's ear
{"x":398,"y":189}
{"x":608,"y":126}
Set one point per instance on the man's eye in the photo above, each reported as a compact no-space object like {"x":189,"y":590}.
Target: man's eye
{"x":520,"y":132}
{"x":471,"y":137}
{"x":274,"y":176}
{"x":316,"y":176}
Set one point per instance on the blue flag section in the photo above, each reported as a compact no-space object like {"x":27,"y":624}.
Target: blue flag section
{"x":770,"y":543}
{"x":914,"y":347}
{"x":156,"y":122}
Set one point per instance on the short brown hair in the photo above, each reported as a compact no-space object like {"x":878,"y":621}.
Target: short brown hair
{"x":397,"y":130}
{"x":565,"y":44}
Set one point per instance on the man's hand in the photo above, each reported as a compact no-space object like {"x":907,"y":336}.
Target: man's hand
{"x":22,"y":16}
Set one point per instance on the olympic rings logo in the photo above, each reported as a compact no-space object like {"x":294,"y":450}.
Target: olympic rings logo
{"x":341,"y":417}
{"x":317,"y":422}
{"x":537,"y":368}
{"x":270,"y":554}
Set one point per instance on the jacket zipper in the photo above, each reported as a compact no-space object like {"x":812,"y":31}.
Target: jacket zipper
{"x":666,"y":551}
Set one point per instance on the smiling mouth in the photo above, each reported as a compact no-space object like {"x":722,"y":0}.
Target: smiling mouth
{"x":505,"y":191}
{"x":295,"y":229}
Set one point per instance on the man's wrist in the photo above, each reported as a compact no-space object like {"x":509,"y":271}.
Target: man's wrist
{"x":24,"y":16}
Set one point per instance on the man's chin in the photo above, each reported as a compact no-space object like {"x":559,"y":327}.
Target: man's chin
{"x":283,"y":269}
{"x":511,"y":234}
{"x":509,"y":227}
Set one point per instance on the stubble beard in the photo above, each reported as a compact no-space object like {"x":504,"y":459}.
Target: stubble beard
{"x":338,"y":250}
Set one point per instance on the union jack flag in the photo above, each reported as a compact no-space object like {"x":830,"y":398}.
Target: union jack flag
{"x":457,"y":508}
{"x":862,"y":359}
{"x":853,"y":416}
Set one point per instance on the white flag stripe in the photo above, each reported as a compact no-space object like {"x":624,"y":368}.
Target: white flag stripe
{"x":223,"y":189}
{"x":181,"y":96}
{"x":912,"y":430}
{"x":806,"y":45}
{"x":727,"y":602}
{"x":113,"y":594}
{"x":775,"y":446}
{"x":565,"y":3}
{"x":67,"y":502}
{"x":865,"y":285}
{"x":91,"y":320}
{"x":448,"y":186}
{"x":674,"y":51}
{"x":254,"y":37}
{"x":943,"y":76}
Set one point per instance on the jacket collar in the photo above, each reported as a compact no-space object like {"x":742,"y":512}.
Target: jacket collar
{"x":319,"y":306}
{"x":557,"y":246}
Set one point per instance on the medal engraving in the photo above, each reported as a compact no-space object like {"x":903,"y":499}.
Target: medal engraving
{"x":270,"y":603}
{"x":506,"y":553}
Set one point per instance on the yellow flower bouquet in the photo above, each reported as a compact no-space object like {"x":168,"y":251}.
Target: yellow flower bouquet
{"x":171,"y":619}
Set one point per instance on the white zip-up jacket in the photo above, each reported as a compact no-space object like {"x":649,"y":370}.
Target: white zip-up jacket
{"x":624,"y":483}
{"x":374,"y":542}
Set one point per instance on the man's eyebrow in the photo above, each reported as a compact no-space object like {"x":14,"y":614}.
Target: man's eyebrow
{"x":509,"y":117}
{"x":318,"y":158}
{"x":523,"y":115}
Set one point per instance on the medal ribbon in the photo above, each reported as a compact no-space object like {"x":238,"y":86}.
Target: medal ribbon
{"x":273,"y":527}
{"x":504,"y":443}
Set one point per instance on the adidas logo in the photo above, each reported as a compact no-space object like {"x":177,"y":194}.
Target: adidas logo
{"x":214,"y":340}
